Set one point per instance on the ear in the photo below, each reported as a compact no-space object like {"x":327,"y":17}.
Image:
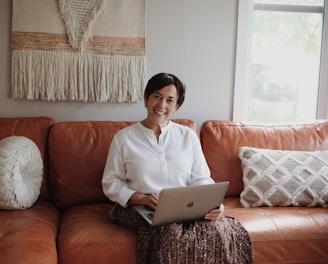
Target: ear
{"x":145,"y":101}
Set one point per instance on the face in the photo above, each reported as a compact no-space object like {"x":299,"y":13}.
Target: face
{"x":162,"y":104}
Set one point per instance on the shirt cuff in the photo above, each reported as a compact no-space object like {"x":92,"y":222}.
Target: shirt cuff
{"x":125,"y":196}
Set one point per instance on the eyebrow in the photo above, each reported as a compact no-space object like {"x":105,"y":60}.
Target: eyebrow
{"x":171,"y":97}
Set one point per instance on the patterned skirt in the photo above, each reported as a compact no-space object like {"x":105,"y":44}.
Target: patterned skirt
{"x":201,"y":241}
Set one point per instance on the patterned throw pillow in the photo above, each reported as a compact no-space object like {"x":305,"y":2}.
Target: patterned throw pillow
{"x":21,"y":169}
{"x":284,"y":178}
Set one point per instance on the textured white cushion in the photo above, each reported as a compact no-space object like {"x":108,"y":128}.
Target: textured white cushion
{"x":284,"y":178}
{"x":20,"y":172}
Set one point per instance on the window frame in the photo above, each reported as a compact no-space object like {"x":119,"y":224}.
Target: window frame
{"x":243,"y":63}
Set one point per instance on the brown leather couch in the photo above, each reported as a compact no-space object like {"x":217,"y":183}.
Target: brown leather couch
{"x":279,"y":234}
{"x":30,"y":236}
{"x":69,"y":222}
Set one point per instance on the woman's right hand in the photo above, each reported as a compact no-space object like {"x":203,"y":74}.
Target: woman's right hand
{"x":149,"y":200}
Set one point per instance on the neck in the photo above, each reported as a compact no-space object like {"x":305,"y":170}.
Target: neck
{"x":153,"y":126}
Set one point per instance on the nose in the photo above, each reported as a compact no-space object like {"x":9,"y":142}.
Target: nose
{"x":161,"y":102}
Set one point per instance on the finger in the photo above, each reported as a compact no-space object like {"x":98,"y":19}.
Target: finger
{"x":222,"y":208}
{"x":155,"y":196}
{"x":152,"y":201}
{"x":151,"y":204}
{"x":211,"y":217}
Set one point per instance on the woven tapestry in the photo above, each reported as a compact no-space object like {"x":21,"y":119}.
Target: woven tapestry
{"x":78,"y":50}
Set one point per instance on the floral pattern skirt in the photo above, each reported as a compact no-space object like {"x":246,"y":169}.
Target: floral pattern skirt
{"x":201,"y":241}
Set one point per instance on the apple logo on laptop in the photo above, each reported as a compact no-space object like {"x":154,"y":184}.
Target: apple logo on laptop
{"x":190,"y":204}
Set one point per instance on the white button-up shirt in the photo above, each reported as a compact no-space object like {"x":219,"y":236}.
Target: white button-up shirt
{"x":137,"y":162}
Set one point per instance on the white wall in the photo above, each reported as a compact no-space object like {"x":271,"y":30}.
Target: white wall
{"x":193,"y":39}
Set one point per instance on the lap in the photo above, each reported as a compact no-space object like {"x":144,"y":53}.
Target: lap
{"x":201,"y":241}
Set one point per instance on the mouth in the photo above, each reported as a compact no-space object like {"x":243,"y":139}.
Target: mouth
{"x":159,"y":112}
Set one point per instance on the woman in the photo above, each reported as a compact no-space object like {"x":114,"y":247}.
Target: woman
{"x":156,"y":153}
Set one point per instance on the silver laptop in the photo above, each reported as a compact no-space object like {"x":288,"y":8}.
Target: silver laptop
{"x":184,"y":203}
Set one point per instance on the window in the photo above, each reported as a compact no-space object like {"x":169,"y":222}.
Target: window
{"x":281,"y":68}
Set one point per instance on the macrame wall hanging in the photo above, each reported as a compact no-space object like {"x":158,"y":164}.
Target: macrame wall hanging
{"x":78,"y":50}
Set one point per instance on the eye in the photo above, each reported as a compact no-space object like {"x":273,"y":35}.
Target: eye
{"x":171,"y":100}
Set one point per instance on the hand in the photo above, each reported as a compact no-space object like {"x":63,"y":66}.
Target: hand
{"x":150,"y":200}
{"x":214,"y":214}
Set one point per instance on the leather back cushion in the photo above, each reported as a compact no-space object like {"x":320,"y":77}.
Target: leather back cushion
{"x":36,"y":129}
{"x":221,"y":141}
{"x":78,"y":152}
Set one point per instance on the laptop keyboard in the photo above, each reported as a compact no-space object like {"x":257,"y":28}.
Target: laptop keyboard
{"x":150,"y":215}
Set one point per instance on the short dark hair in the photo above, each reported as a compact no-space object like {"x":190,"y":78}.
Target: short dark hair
{"x":161,"y":80}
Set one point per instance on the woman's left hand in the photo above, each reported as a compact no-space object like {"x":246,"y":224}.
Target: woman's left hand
{"x":214,"y":214}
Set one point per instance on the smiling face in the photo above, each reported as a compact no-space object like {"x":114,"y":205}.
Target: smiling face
{"x":161,"y":105}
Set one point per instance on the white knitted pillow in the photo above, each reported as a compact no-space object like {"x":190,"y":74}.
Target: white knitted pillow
{"x":284,"y":178}
{"x":20,"y":172}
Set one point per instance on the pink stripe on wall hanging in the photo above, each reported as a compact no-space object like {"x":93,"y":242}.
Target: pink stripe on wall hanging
{"x":78,"y":50}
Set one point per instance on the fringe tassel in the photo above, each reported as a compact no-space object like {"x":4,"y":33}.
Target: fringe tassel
{"x":60,"y":76}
